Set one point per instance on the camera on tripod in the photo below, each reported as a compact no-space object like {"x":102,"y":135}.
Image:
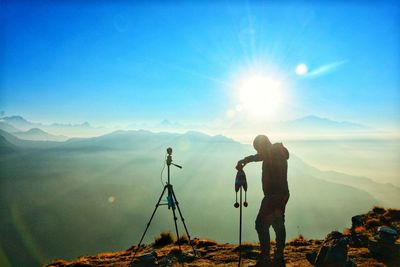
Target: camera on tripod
{"x":172,"y":203}
{"x":169,"y":161}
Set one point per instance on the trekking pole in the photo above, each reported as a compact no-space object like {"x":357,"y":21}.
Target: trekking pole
{"x":240,"y":228}
{"x":240,"y":183}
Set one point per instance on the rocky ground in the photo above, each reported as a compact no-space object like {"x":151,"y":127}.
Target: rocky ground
{"x":210,"y":253}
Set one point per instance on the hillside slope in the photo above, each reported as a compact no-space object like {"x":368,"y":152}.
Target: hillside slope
{"x":105,"y":188}
{"x":210,"y":253}
{"x":37,"y":134}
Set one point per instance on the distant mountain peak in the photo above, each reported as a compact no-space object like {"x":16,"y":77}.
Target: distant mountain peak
{"x":168,"y":124}
{"x":36,"y":131}
{"x":317,"y":118}
{"x":14,"y":118}
{"x":313,"y":121}
{"x":39,"y":135}
{"x":196,"y":133}
{"x":84,"y":124}
{"x":313,"y":117}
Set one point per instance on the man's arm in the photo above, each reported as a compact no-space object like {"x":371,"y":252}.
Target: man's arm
{"x":243,"y":162}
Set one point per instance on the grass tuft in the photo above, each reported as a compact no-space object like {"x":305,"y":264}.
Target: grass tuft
{"x":165,"y":238}
{"x":183,"y":239}
{"x":299,"y":241}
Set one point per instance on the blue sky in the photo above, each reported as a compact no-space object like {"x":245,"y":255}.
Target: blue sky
{"x":124,"y":62}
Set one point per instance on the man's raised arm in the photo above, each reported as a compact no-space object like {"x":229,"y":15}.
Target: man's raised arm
{"x":241,"y":163}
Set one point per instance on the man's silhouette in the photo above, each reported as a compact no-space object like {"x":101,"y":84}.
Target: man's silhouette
{"x":276,"y":195}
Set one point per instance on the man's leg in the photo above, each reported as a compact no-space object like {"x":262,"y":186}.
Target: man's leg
{"x":262,"y":227}
{"x":278,"y":224}
{"x":263,"y":224}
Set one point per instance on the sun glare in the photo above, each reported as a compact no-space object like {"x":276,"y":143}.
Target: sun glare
{"x":260,"y":95}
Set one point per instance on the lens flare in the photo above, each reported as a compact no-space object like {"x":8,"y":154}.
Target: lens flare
{"x":111,"y":199}
{"x":301,"y":69}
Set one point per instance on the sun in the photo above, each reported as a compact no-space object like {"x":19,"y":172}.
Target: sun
{"x":260,"y":95}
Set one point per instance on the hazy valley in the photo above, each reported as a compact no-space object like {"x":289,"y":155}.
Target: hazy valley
{"x":101,"y":191}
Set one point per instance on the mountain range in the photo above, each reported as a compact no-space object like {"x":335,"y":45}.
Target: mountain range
{"x":101,"y":191}
{"x":315,"y":123}
{"x":306,"y":126}
{"x":28,"y":130}
{"x":36,"y":134}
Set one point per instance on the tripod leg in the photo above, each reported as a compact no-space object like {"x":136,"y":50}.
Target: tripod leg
{"x":170,"y":193}
{"x":183,"y":221}
{"x":151,"y":218}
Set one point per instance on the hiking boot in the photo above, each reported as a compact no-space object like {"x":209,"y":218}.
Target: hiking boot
{"x":263,"y":262}
{"x":311,"y":257}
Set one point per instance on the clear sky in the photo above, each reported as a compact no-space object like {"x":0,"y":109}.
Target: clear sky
{"x":187,"y":62}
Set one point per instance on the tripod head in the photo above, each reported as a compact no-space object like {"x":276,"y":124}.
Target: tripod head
{"x":169,"y":162}
{"x":169,"y":158}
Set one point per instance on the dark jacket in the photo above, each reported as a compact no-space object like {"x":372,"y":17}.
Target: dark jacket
{"x":274,"y":170}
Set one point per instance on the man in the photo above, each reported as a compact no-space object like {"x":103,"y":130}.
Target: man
{"x":276,"y":195}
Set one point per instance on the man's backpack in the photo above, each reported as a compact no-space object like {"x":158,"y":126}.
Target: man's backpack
{"x":333,"y":252}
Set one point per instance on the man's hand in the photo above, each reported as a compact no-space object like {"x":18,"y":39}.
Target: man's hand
{"x":240,"y":165}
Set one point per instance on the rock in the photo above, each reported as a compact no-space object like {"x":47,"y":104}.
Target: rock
{"x":387,"y":234}
{"x":333,"y":252}
{"x":358,"y":240}
{"x":379,"y":210}
{"x":357,"y":221}
{"x":380,"y":249}
{"x":149,"y":258}
{"x":205,"y":243}
{"x":384,"y":246}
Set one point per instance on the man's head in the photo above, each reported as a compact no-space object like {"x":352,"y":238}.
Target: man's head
{"x":261,"y":144}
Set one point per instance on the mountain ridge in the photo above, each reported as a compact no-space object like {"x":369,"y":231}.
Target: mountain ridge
{"x":109,"y":183}
{"x":309,"y":125}
{"x":37,"y":134}
{"x":326,"y":121}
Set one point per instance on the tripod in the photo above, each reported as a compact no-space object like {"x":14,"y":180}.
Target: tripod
{"x":172,"y":203}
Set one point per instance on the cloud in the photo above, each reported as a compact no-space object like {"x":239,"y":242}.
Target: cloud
{"x":325,"y":69}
